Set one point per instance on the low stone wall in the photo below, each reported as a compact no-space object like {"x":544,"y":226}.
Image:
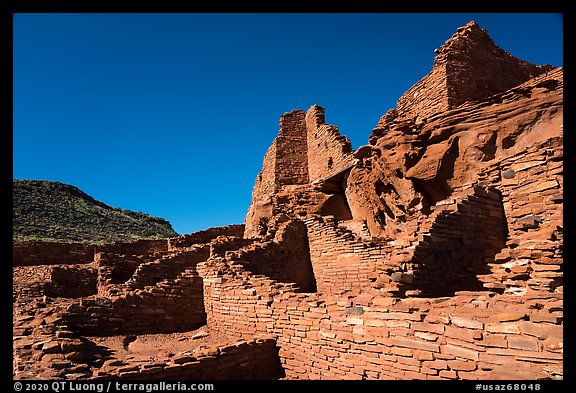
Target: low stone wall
{"x":72,"y":281}
{"x":167,"y":267}
{"x":256,"y":358}
{"x":114,"y":269}
{"x":54,"y":281}
{"x":30,"y":281}
{"x":473,"y":335}
{"x":32,"y":253}
{"x":136,"y":247}
{"x":340,"y":261}
{"x":206,"y":236}
{"x":286,"y":259}
{"x":169,"y":306}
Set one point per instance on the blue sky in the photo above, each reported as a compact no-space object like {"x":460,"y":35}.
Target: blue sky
{"x":171,"y":114}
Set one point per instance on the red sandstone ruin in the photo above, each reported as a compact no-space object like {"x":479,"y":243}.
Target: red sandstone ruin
{"x":433,"y":252}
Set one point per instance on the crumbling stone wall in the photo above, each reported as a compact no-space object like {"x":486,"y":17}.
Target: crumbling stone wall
{"x":468,"y":67}
{"x":55,"y":253}
{"x":114,"y":269}
{"x":329,"y":152}
{"x":260,"y":209}
{"x":30,"y":281}
{"x":63,"y":280}
{"x":50,"y":253}
{"x":460,"y":244}
{"x":291,"y":150}
{"x":167,"y":267}
{"x":72,"y":281}
{"x":427,"y":97}
{"x":340,"y":261}
{"x":256,"y":358}
{"x":286,"y":259}
{"x":136,"y":247}
{"x":169,"y":306}
{"x":476,"y":68}
{"x":532,"y":188}
{"x":469,"y":336}
{"x":206,"y":236}
{"x":306,"y":150}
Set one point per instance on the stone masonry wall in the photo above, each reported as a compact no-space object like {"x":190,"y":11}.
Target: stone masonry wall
{"x":329,"y":152}
{"x":456,"y":245}
{"x":339,"y":260}
{"x":114,"y":269}
{"x":30,"y":281}
{"x":50,"y":253}
{"x":476,"y":68}
{"x":286,"y":259}
{"x":532,"y":190}
{"x":202,"y":237}
{"x":256,"y":358}
{"x":136,"y":247}
{"x":169,"y":306}
{"x":427,"y":97}
{"x":72,"y":281}
{"x":474,"y":335}
{"x":167,"y":267}
{"x":460,"y":244}
{"x":265,"y":185}
{"x":291,"y":150}
{"x":468,"y":67}
{"x":55,"y":281}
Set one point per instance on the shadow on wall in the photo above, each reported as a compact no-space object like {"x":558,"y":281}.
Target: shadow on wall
{"x":460,"y":245}
{"x":286,"y":259}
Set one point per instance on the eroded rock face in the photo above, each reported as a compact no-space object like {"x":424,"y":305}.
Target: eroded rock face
{"x":412,"y":166}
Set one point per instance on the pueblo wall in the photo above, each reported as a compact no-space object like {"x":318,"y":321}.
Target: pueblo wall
{"x":256,"y":358}
{"x":460,"y":244}
{"x":329,"y":152}
{"x":532,"y":187}
{"x":54,"y":253}
{"x":410,"y":168}
{"x":305,"y":150}
{"x":202,"y":237}
{"x":291,"y":150}
{"x":169,"y":306}
{"x":50,"y":253}
{"x":340,"y":261}
{"x":260,"y":209}
{"x":72,"y":281}
{"x":136,"y":247}
{"x":427,"y":97}
{"x":468,"y":67}
{"x":169,"y":266}
{"x":69,"y":281}
{"x":473,"y":335}
{"x":285,"y":259}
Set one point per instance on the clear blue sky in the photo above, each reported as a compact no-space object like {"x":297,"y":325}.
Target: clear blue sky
{"x":171,"y":114}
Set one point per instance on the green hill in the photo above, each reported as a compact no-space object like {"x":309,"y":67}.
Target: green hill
{"x":51,"y":211}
